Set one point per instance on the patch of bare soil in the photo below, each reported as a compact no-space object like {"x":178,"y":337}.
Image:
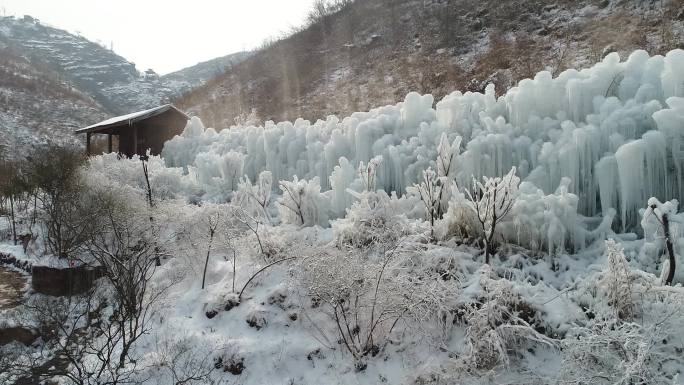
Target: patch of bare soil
{"x":11,"y":288}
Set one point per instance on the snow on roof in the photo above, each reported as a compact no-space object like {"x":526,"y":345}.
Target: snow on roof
{"x":127,"y":120}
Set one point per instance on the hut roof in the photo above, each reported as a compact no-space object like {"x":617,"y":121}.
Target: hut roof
{"x":130,"y":119}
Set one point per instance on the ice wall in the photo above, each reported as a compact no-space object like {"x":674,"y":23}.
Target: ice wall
{"x":614,"y":131}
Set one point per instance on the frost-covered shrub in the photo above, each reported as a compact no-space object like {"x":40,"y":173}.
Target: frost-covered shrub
{"x":255,"y":199}
{"x":616,"y":282}
{"x":612,"y":352}
{"x":460,"y":219}
{"x":497,"y":323}
{"x":178,"y":359}
{"x":492,"y":200}
{"x":166,"y":182}
{"x":68,"y":213}
{"x":373,"y":220}
{"x":302,"y":203}
{"x":429,"y":191}
{"x":618,"y":291}
{"x":367,"y":297}
{"x":434,"y":189}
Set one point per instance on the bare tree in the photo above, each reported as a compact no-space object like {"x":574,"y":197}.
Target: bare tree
{"x":434,"y":190}
{"x":492,"y":200}
{"x":429,"y":192}
{"x":10,"y":192}
{"x":125,"y":250}
{"x":185,"y":362}
{"x":67,"y":217}
{"x":212,"y":223}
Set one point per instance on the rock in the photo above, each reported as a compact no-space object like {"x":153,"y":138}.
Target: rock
{"x":17,"y":334}
{"x":257,"y":320}
{"x":231,"y":302}
{"x":277,"y":298}
{"x":211,"y":314}
{"x":315,"y":354}
{"x":608,"y":50}
{"x":234,"y":365}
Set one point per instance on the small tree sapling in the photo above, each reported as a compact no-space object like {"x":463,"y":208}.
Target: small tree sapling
{"x":492,"y":200}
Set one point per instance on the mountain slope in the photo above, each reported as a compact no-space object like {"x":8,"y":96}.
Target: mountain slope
{"x":37,"y":106}
{"x":373,"y":52}
{"x":54,"y":82}
{"x":110,"y":79}
{"x":188,"y":78}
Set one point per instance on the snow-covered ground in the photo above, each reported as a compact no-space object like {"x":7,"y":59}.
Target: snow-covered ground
{"x":353,"y":251}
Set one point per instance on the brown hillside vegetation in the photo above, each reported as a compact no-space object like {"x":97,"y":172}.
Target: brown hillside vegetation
{"x":358,"y":55}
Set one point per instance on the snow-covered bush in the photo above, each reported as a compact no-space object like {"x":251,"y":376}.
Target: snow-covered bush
{"x":618,"y":291}
{"x":429,"y":190}
{"x":255,"y":199}
{"x":498,"y":322}
{"x":181,"y":360}
{"x":492,"y":200}
{"x":612,"y":352}
{"x":616,"y":282}
{"x":166,"y":182}
{"x":302,"y":203}
{"x":367,"y":297}
{"x":460,"y":220}
{"x":373,"y":220}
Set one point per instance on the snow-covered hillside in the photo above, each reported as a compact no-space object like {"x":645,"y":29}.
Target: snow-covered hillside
{"x":360,"y":250}
{"x":37,"y":106}
{"x":110,"y":79}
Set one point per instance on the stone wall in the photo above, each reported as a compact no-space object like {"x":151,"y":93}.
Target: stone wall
{"x":17,"y":334}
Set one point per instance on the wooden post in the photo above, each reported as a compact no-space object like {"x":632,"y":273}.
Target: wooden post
{"x":88,"y":143}
{"x":135,"y":141}
{"x":109,"y":143}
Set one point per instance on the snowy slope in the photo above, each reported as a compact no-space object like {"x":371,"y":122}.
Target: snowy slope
{"x":107,"y":77}
{"x":37,"y":106}
{"x":372,"y":53}
{"x":192,"y":77}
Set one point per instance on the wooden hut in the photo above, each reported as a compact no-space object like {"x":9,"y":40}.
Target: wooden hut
{"x":140,"y":131}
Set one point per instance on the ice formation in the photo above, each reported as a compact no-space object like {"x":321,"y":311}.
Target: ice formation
{"x":611,"y":136}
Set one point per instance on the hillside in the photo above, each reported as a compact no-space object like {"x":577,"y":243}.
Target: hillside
{"x":189,"y":78}
{"x":373,"y":52}
{"x":110,"y":79}
{"x":37,"y":106}
{"x":54,"y":81}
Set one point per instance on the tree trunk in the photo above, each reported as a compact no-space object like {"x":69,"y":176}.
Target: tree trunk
{"x":150,"y":202}
{"x":670,"y":250}
{"x":14,"y":222}
{"x":206,"y":263}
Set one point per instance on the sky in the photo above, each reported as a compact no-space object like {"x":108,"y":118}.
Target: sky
{"x":168,"y":35}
